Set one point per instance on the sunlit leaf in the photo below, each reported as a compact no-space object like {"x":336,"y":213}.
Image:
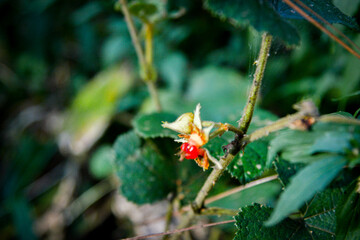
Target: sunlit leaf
{"x":92,"y":109}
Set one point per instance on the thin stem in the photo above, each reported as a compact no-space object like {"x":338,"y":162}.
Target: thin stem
{"x":147,"y":71}
{"x":168,"y":217}
{"x":210,"y":183}
{"x":276,"y":126}
{"x":339,"y":119}
{"x":258,"y":76}
{"x":327,"y":23}
{"x":222,"y":128}
{"x":218,"y":211}
{"x":319,"y":26}
{"x":132,"y":30}
{"x":241,"y":188}
{"x":235,"y":190}
{"x":233,"y":148}
{"x":148,"y":43}
{"x":154,"y":95}
{"x":180,"y":230}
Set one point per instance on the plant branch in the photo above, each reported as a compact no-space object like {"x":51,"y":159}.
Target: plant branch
{"x":241,"y":188}
{"x":319,"y":26}
{"x":222,"y":128}
{"x":218,"y":211}
{"x":245,"y":120}
{"x":134,"y":37}
{"x":180,"y":230}
{"x":235,"y":146}
{"x":147,"y":70}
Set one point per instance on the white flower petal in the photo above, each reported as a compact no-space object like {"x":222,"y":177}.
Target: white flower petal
{"x":214,"y":160}
{"x":197,"y":119}
{"x":207,"y":131}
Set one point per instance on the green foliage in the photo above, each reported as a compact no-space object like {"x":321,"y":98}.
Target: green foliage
{"x":319,"y":214}
{"x":311,"y":179}
{"x":249,"y":223}
{"x":268,"y":16}
{"x":101,"y":161}
{"x":144,"y":174}
{"x":74,"y":63}
{"x":147,"y":11}
{"x":93,"y":108}
{"x":149,"y":125}
{"x":315,"y":221}
{"x":324,"y":8}
{"x":22,"y":218}
{"x":250,"y":164}
{"x":348,"y":213}
{"x":263,"y":194}
{"x":232,"y":83}
{"x":307,"y":146}
{"x":173,"y":69}
{"x":258,"y":14}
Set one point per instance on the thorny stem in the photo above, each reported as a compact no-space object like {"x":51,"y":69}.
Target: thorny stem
{"x":147,"y":71}
{"x":222,"y":128}
{"x":235,"y":147}
{"x":258,"y":76}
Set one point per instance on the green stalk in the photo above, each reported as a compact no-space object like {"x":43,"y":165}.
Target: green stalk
{"x":234,"y":147}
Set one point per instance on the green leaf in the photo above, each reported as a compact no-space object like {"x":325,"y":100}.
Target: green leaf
{"x":212,"y":82}
{"x":318,"y":221}
{"x":173,"y":68}
{"x":305,"y":184}
{"x":324,"y":8}
{"x":335,"y":142}
{"x":100,"y":164}
{"x":215,"y":146}
{"x":307,"y":146}
{"x":288,"y":138}
{"x":251,"y":164}
{"x":263,"y":194}
{"x":319,"y":214}
{"x":20,"y":211}
{"x":249,"y":223}
{"x":259,"y":14}
{"x":147,"y":10}
{"x":286,"y":170}
{"x":92,"y":109}
{"x":149,"y":125}
{"x":145,"y":176}
{"x":348,"y":213}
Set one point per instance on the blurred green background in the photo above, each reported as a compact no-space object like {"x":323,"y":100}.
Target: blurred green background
{"x":69,"y":85}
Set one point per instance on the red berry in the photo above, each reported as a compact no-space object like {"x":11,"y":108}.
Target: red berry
{"x":191,"y":152}
{"x":184,"y":146}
